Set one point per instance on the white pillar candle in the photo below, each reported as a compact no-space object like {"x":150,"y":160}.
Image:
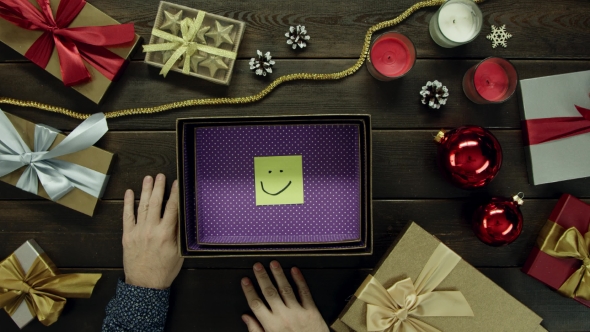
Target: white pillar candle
{"x":457,"y":22}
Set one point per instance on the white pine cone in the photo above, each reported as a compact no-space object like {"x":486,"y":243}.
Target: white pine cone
{"x":262,"y":63}
{"x":434,"y":94}
{"x":297,"y":36}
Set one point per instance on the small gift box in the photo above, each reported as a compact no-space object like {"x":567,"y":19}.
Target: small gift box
{"x":194,"y":42}
{"x":72,"y":40}
{"x":275,"y":186}
{"x":69,"y":169}
{"x":556,"y":126}
{"x":422,"y":285}
{"x":31,"y":286}
{"x":561,"y":258}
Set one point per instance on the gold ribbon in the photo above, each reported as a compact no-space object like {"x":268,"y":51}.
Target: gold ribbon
{"x":398,"y":308}
{"x":559,"y":242}
{"x":41,"y":288}
{"x":184,"y":46}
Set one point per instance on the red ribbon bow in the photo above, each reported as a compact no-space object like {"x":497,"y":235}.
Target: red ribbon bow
{"x":73,"y":44}
{"x":537,"y":131}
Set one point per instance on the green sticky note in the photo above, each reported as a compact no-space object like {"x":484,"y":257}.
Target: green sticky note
{"x":278,"y":180}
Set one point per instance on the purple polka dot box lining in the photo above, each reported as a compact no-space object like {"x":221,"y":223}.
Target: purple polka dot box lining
{"x":220,"y":208}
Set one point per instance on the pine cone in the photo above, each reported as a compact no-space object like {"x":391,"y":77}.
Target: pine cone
{"x":434,"y":94}
{"x":262,"y":64}
{"x":297,"y":36}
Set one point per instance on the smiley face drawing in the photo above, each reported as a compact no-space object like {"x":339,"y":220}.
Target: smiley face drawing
{"x":278,"y":180}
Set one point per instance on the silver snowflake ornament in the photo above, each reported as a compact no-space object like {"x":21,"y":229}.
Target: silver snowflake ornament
{"x":296,"y":36}
{"x":434,"y":94}
{"x":262,"y":63}
{"x":499,"y":36}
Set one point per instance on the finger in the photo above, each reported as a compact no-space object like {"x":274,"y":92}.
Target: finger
{"x":254,"y":301}
{"x":155,"y":204}
{"x":303,"y":289}
{"x":171,"y":212}
{"x":252,"y":323}
{"x":128,"y":207}
{"x":285,"y":288}
{"x":268,"y":289}
{"x":144,"y":199}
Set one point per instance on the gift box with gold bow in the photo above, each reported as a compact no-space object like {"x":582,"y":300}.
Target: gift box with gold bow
{"x":31,"y":286}
{"x":422,"y":285}
{"x":561,"y":258}
{"x":194,"y":42}
{"x":70,"y":39}
{"x":66,"y":169}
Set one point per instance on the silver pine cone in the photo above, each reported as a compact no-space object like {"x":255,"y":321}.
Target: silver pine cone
{"x":262,"y":63}
{"x":297,"y":36}
{"x":434,"y":94}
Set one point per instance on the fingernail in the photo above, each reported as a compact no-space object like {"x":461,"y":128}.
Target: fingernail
{"x":128,"y":193}
{"x":175,"y":184}
{"x":295,"y":271}
{"x":147,"y":180}
{"x":160,"y":177}
{"x":245,"y":281}
{"x":275,"y":265}
{"x":258,"y":267}
{"x":245,"y":319}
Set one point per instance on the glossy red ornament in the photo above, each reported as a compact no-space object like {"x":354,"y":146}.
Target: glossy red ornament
{"x":469,"y":156}
{"x":499,"y":222}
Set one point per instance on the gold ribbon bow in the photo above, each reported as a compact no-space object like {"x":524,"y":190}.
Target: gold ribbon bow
{"x":41,"y":288}
{"x":184,"y":46}
{"x":398,"y":308}
{"x":559,"y":242}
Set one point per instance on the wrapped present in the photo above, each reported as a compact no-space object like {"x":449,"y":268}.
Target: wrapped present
{"x":422,"y":285}
{"x":556,"y":126}
{"x":194,"y":43}
{"x":71,"y":171}
{"x":561,"y":258}
{"x":70,"y":39}
{"x":31,"y":286}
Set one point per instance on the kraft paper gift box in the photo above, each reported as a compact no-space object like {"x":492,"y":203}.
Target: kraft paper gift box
{"x":108,"y":61}
{"x":186,"y":47}
{"x":38,"y":272}
{"x":419,"y":264}
{"x":569,"y":212}
{"x":555,"y":114}
{"x":98,"y":162}
{"x":220,"y":214}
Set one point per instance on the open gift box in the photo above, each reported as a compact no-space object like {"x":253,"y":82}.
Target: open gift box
{"x":253,"y":186}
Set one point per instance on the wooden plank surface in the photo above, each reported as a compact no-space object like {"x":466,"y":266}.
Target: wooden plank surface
{"x":211,"y":300}
{"x":550,"y":37}
{"x":393,"y":105}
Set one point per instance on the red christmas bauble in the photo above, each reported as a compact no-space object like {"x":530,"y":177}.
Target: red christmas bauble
{"x":469,"y":156}
{"x":499,"y":222}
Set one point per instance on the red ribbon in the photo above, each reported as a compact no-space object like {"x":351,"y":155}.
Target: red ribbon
{"x":73,"y":44}
{"x":537,"y":131}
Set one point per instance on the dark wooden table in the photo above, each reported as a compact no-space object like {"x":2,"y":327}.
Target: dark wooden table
{"x":550,"y":37}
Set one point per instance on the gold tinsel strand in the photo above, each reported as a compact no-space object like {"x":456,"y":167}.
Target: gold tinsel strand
{"x":239,"y":100}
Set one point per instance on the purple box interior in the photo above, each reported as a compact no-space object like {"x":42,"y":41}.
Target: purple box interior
{"x":226,"y":204}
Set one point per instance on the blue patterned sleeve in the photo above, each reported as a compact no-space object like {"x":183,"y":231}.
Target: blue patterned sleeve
{"x":136,"y":309}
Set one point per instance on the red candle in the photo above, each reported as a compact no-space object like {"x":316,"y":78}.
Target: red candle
{"x":491,"y":81}
{"x":392,"y":55}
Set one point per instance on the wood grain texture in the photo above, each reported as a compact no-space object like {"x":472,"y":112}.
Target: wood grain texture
{"x":541,"y":29}
{"x":211,"y":300}
{"x":404,"y":166}
{"x":392,"y":105}
{"x":73,"y":240}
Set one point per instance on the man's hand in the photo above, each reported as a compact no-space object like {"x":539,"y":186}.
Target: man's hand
{"x":286,"y":314}
{"x":150,"y":253}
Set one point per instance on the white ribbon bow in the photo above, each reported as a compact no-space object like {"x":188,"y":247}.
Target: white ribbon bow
{"x":58,"y":177}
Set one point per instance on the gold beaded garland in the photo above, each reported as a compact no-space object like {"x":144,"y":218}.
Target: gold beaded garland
{"x":238,"y":100}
